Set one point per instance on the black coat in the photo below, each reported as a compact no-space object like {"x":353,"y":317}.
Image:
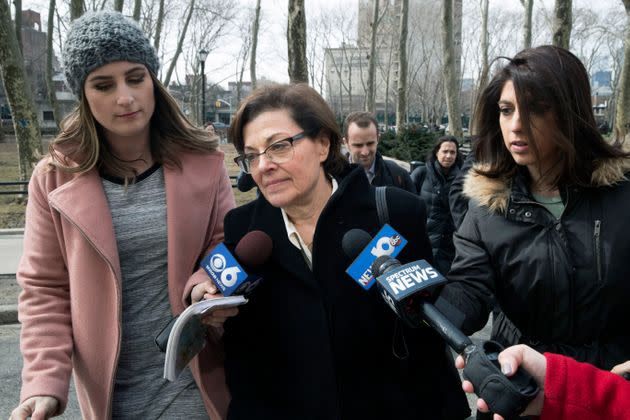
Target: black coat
{"x":389,"y":173}
{"x":433,"y":186}
{"x":314,"y":344}
{"x":565,"y":284}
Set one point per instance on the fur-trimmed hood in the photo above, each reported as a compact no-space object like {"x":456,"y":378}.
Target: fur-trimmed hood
{"x":494,"y":193}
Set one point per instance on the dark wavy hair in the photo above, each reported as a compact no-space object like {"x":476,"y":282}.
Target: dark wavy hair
{"x":545,"y":79}
{"x":438,"y":143}
{"x":306,"y":107}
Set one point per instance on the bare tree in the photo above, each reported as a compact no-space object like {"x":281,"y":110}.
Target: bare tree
{"x":77,"y":8}
{"x":527,"y":22}
{"x":18,"y":92}
{"x":137,"y":8}
{"x":50,"y":87}
{"x":252,"y":59}
{"x":18,"y":22}
{"x":401,"y":108}
{"x":158,"y":26}
{"x":451,"y":85}
{"x":118,"y":5}
{"x":485,"y":67}
{"x":563,"y":19}
{"x":182,"y":36}
{"x":296,"y":42}
{"x":371,"y":91}
{"x":622,"y":119}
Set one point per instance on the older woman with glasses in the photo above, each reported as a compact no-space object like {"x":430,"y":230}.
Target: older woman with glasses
{"x":311,"y":343}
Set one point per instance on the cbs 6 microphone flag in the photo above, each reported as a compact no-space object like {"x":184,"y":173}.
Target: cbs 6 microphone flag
{"x":225,"y":270}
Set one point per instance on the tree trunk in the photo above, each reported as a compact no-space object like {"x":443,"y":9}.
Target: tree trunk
{"x":401,"y":107}
{"x":451,"y":85}
{"x":485,"y":67}
{"x":622,"y":117}
{"x":18,"y":22}
{"x":527,"y":23}
{"x":562,"y":22}
{"x":158,"y":26}
{"x":118,"y":5}
{"x":18,"y":92}
{"x":180,"y":44}
{"x":371,"y":91}
{"x":296,"y":42}
{"x":252,"y":59}
{"x":77,"y":9}
{"x":50,"y":87}
{"x":137,"y":8}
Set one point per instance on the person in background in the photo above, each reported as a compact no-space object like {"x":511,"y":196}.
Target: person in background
{"x":311,"y":342}
{"x":361,"y":140}
{"x":433,"y":182}
{"x":569,"y":390}
{"x":545,"y":235}
{"x":210,"y":129}
{"x":127,"y":201}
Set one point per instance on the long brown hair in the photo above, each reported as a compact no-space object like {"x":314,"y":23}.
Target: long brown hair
{"x":81,"y":145}
{"x":545,"y":79}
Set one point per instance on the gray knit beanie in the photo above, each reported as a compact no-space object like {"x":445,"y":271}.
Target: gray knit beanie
{"x":99,"y":38}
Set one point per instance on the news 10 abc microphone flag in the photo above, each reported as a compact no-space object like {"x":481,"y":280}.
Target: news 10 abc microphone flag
{"x":386,"y":242}
{"x":226,"y":272}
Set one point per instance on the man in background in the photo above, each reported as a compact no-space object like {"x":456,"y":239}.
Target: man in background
{"x":361,"y":140}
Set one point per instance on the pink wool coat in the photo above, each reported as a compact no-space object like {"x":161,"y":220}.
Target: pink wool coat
{"x":70,"y":305}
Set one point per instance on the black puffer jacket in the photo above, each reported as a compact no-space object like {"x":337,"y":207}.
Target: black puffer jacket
{"x":433,"y":186}
{"x":565,"y":284}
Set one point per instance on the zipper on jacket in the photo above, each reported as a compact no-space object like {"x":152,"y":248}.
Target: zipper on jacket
{"x":119,"y":293}
{"x":598,"y":257}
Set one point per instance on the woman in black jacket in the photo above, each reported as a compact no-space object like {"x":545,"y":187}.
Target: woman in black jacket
{"x":311,"y":343}
{"x":433,"y":183}
{"x":546,"y":232}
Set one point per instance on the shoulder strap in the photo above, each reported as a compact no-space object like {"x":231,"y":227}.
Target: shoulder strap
{"x":381,"y":205}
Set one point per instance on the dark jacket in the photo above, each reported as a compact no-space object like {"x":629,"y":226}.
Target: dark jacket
{"x":434,"y":186}
{"x":389,"y":173}
{"x":565,"y":284}
{"x":314,"y":344}
{"x":456,"y":198}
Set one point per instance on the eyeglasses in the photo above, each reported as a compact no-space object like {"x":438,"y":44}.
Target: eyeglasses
{"x":278,"y":152}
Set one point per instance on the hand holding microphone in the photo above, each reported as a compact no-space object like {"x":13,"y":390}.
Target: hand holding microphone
{"x":405,"y":288}
{"x":227,"y":273}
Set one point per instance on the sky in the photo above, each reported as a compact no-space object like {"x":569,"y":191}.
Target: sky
{"x":271,"y":57}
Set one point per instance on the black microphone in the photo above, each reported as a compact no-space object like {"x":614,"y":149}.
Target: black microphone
{"x":405,"y":289}
{"x":227,"y":269}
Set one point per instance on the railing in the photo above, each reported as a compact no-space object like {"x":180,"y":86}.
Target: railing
{"x":17,"y":184}
{"x":13,"y":184}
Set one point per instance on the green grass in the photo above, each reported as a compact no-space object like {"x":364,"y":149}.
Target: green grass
{"x":12,"y":206}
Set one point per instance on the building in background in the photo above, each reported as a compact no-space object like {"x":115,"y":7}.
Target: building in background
{"x":34,"y":53}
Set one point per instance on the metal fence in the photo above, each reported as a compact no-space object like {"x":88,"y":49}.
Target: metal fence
{"x":14,"y":186}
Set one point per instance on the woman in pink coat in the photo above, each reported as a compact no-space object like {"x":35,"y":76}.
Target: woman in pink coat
{"x":128,"y":200}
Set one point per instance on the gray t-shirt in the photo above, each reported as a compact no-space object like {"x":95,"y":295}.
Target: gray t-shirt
{"x":140,"y":392}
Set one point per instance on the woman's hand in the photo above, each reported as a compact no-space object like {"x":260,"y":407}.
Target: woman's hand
{"x":37,"y":408}
{"x":208,"y":290}
{"x":510,"y":359}
{"x":622,"y":368}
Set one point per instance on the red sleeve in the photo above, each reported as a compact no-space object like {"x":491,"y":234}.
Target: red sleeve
{"x":579,"y":391}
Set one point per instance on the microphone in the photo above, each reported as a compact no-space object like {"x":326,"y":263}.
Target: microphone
{"x":244,"y":182}
{"x":358,"y":244}
{"x":405,"y":289}
{"x":225,"y":270}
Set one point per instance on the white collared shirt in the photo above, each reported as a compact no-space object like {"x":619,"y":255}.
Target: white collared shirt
{"x":294,"y":236}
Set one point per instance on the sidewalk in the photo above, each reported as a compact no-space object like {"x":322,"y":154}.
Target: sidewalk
{"x":10,"y":252}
